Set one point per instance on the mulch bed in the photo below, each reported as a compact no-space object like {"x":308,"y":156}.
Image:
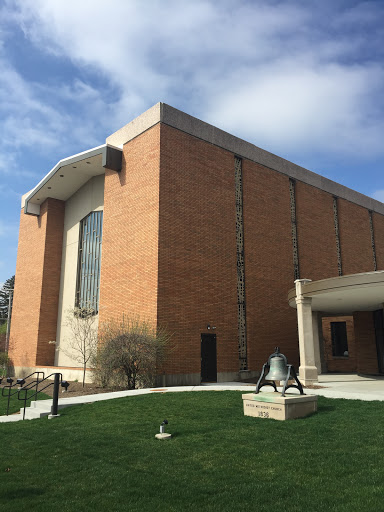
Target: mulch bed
{"x":74,"y":389}
{"x":77,"y":389}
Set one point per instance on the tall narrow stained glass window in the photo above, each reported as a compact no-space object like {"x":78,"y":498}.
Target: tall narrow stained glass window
{"x":88,"y":267}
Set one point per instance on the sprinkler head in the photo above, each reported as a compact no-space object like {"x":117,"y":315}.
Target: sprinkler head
{"x":163,"y":434}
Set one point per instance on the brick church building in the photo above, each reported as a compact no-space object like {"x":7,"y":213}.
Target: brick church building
{"x":204,"y":234}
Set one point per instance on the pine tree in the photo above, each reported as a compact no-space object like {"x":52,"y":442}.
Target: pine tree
{"x":5,"y":291}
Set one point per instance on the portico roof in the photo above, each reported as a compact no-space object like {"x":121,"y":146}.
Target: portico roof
{"x":70,"y":174}
{"x":344,"y":294}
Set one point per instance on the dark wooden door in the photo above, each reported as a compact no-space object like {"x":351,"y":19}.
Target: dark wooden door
{"x":379,"y":331}
{"x":208,"y":358}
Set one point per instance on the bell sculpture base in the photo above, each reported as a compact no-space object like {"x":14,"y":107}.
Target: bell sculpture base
{"x":273,"y":405}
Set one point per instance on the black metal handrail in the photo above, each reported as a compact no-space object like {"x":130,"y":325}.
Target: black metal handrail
{"x":58,"y":378}
{"x":28,"y":386}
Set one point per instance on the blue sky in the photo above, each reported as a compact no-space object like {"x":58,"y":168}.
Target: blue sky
{"x":303,"y":79}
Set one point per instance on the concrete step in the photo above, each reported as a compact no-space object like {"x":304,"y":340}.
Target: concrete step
{"x":31,"y":414}
{"x":42,"y":405}
{"x":37,"y":409}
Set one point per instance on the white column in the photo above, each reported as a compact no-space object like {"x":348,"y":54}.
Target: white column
{"x":316,"y":319}
{"x":307,"y":371}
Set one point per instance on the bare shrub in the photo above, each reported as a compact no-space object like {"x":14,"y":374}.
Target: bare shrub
{"x":130,"y":353}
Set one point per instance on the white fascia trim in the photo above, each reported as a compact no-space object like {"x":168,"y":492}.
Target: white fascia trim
{"x":34,"y":209}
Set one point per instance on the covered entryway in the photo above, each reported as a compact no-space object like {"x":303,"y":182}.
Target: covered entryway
{"x":358,"y":295}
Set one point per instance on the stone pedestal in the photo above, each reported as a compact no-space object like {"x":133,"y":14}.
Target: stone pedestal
{"x":277,"y":407}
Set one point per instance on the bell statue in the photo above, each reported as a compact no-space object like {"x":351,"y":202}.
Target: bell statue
{"x":278,"y":370}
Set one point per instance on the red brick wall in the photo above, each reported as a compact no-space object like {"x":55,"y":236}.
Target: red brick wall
{"x":268,"y":265}
{"x":169,"y":253}
{"x":197,"y":250}
{"x":339,"y":364}
{"x":355,"y":238}
{"x":365,"y":342}
{"x":315,"y":233}
{"x":128,"y":279}
{"x":37,"y":284}
{"x":378,"y":229}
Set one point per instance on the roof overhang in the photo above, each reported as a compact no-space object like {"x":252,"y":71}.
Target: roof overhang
{"x":344,"y":294}
{"x":70,"y":174}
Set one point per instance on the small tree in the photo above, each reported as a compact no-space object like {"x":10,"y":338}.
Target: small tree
{"x":3,"y":335}
{"x":82,"y":344}
{"x":3,"y":364}
{"x":129,"y":353}
{"x":5,"y":293}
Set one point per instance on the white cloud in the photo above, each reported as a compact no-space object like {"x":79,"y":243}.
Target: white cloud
{"x":302,"y":78}
{"x":35,"y":116}
{"x":324,"y":107}
{"x":281,"y":74}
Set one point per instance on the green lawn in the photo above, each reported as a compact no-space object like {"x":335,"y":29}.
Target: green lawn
{"x":14,"y":404}
{"x":104,"y":457}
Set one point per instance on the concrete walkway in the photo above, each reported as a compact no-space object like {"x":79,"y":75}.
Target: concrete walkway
{"x":349,"y":386}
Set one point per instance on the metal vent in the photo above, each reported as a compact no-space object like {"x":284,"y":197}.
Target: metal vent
{"x":292,"y":195}
{"x":240,"y":265}
{"x":338,"y":248}
{"x":372,"y":241}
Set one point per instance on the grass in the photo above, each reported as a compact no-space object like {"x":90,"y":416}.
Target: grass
{"x":104,"y":456}
{"x":15,"y":404}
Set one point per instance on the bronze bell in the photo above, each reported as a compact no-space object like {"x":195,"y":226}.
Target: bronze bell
{"x":278,"y":369}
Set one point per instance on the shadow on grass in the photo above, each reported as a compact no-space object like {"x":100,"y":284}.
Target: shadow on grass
{"x":326,"y":408}
{"x":20,"y":493}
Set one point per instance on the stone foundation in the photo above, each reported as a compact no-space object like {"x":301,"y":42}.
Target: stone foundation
{"x":277,"y":407}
